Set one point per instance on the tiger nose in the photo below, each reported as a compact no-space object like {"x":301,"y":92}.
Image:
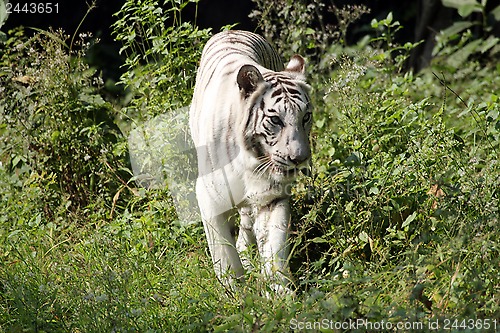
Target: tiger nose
{"x":299,"y":156}
{"x":298,"y":160}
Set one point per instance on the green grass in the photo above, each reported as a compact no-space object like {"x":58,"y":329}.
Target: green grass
{"x":398,"y":222}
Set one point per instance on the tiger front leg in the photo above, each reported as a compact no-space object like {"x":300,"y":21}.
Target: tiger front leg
{"x":221,"y":243}
{"x":246,"y":238}
{"x":271,"y":231}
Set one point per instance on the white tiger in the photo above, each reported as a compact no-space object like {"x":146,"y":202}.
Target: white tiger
{"x":250,"y":120}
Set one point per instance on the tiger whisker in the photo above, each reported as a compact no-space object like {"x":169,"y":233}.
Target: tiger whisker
{"x":263,"y":158}
{"x":268,"y":166}
{"x":260,"y":170}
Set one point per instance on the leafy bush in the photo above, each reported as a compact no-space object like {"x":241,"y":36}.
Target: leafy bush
{"x":397,"y":178}
{"x":161,"y":59}
{"x":298,"y":26}
{"x":60,"y":133}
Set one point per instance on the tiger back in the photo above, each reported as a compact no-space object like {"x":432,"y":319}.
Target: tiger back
{"x":250,"y":119}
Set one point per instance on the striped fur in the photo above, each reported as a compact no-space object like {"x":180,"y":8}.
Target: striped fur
{"x":250,"y":119}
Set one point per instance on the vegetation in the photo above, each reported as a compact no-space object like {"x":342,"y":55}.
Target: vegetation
{"x":398,"y":223}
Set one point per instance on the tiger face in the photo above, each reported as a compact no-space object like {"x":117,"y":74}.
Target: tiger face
{"x":279,"y":119}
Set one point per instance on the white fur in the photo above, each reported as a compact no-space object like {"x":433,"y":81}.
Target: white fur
{"x":228,"y":181}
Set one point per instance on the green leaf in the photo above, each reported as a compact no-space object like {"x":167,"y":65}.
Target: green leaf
{"x":464,"y":7}
{"x":319,"y":240}
{"x":16,"y":161}
{"x":495,"y":50}
{"x":3,"y":13}
{"x":389,"y":18}
{"x":320,"y":123}
{"x":459,"y":57}
{"x":496,"y":13}
{"x":309,"y":31}
{"x":92,"y":99}
{"x":492,"y":115}
{"x":489,"y":43}
{"x":409,"y":220}
{"x":454,"y":29}
{"x":349,"y":206}
{"x":363,"y":237}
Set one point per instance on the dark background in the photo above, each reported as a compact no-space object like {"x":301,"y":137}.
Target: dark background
{"x":211,"y":14}
{"x":421,"y":20}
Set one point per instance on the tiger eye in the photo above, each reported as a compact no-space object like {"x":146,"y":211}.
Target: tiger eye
{"x":276,"y":120}
{"x":307,"y":117}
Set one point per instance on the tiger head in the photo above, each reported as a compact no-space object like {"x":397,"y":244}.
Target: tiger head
{"x":279,"y":118}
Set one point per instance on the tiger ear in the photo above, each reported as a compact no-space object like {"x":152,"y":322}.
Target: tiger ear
{"x":248,"y":79}
{"x":297,"y":64}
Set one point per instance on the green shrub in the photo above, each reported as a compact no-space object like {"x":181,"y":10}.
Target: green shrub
{"x":60,"y":133}
{"x":400,"y":183}
{"x":298,"y":26}
{"x":161,"y":58}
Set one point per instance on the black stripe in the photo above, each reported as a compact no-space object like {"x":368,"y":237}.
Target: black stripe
{"x":277,"y":92}
{"x":251,"y":115}
{"x":261,"y":51}
{"x":292,"y":91}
